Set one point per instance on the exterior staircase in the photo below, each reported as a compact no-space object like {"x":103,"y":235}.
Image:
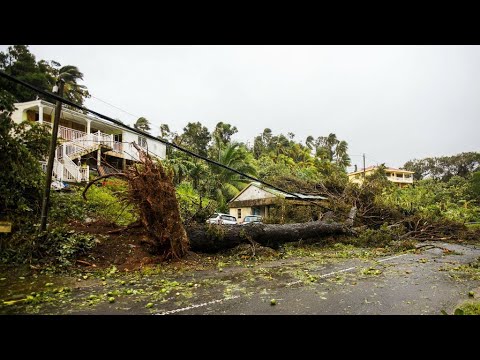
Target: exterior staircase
{"x":64,"y":168}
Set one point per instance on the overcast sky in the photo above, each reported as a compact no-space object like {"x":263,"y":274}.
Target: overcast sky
{"x":393,"y":103}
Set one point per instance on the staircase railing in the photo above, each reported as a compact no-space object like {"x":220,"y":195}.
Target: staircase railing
{"x":64,"y":168}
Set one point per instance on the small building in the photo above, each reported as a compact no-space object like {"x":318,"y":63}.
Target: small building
{"x":398,"y":176}
{"x":85,"y":140}
{"x":257,"y":199}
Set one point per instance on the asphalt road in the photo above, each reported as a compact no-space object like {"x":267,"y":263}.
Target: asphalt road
{"x":401,"y":284}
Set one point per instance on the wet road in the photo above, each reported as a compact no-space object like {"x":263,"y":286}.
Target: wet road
{"x":401,"y":284}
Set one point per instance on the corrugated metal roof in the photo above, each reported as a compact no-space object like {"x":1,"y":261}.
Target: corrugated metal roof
{"x":310,"y":197}
{"x":283,"y":194}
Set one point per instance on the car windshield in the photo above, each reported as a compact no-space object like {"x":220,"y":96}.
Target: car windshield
{"x":250,"y":218}
{"x":213,"y":216}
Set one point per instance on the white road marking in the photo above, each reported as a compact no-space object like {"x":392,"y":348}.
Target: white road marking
{"x":336,"y":272}
{"x":293,"y":283}
{"x":393,"y":257}
{"x":288,"y":284}
{"x":345,"y":270}
{"x":198,"y":305}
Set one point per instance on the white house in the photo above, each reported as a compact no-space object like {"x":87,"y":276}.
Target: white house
{"x":86,"y":140}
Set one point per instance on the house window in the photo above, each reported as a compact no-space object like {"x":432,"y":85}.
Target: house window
{"x":142,"y":141}
{"x":239,"y":213}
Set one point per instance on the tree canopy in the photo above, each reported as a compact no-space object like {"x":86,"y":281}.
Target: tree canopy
{"x":445,"y":167}
{"x":18,"y":61}
{"x":142,"y":124}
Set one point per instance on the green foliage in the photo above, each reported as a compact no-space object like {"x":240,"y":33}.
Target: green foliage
{"x":222,"y":135}
{"x":196,"y":138}
{"x":18,"y":61}
{"x":192,"y":206}
{"x":474,"y":187}
{"x":382,"y":237}
{"x":142,"y":124}
{"x":21,"y":148}
{"x":226,"y":183}
{"x":66,"y":207}
{"x":103,"y":203}
{"x":64,"y":245}
{"x":435,"y":200}
{"x":445,"y":167}
{"x":331,"y":149}
{"x":59,"y":246}
{"x":470,"y":308}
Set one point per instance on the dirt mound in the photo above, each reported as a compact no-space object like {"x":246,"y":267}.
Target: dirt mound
{"x":120,"y":247}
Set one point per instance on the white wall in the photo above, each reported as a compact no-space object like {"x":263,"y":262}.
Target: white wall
{"x":17,"y":116}
{"x":254,"y":193}
{"x":155,"y":147}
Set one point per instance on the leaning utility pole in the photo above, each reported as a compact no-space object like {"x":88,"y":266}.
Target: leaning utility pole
{"x":363,"y":167}
{"x":51,"y":157}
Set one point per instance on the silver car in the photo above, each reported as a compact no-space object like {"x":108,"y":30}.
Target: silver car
{"x":250,"y":219}
{"x":219,"y":218}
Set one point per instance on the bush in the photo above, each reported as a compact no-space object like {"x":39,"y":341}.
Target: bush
{"x":59,"y":246}
{"x":192,"y":207}
{"x":21,"y":148}
{"x":382,"y":237}
{"x":102,"y":203}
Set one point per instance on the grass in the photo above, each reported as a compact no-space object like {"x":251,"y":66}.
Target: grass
{"x":470,"y":308}
{"x":470,"y":271}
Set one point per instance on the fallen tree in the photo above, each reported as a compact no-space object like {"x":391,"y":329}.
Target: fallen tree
{"x":212,"y":238}
{"x":152,"y":193}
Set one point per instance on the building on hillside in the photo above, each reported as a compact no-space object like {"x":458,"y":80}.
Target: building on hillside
{"x":257,"y":199}
{"x":398,"y":176}
{"x":85,"y":140}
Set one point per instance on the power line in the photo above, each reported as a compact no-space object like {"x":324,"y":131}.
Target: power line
{"x":119,"y":123}
{"x":116,"y":107}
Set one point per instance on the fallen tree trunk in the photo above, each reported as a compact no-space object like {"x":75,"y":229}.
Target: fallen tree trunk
{"x":212,"y":238}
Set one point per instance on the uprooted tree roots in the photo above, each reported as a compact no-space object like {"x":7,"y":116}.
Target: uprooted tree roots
{"x":151,"y":191}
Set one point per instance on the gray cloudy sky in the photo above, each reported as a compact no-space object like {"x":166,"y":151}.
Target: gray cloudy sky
{"x":393,"y":103}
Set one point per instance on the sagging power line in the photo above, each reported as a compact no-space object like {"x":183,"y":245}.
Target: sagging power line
{"x":147,"y":135}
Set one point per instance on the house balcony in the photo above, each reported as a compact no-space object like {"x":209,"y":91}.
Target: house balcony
{"x":401,"y":179}
{"x":73,"y":135}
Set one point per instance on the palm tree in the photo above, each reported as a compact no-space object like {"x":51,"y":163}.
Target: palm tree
{"x":164,"y":131}
{"x":309,"y":142}
{"x":70,"y":74}
{"x":341,"y":156}
{"x":228,"y":183}
{"x":142,"y":124}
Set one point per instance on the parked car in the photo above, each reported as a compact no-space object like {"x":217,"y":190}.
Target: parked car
{"x":250,"y":219}
{"x":219,"y":218}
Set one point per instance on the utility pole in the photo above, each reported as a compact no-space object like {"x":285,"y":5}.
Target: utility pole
{"x":51,"y":157}
{"x":364,"y":167}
